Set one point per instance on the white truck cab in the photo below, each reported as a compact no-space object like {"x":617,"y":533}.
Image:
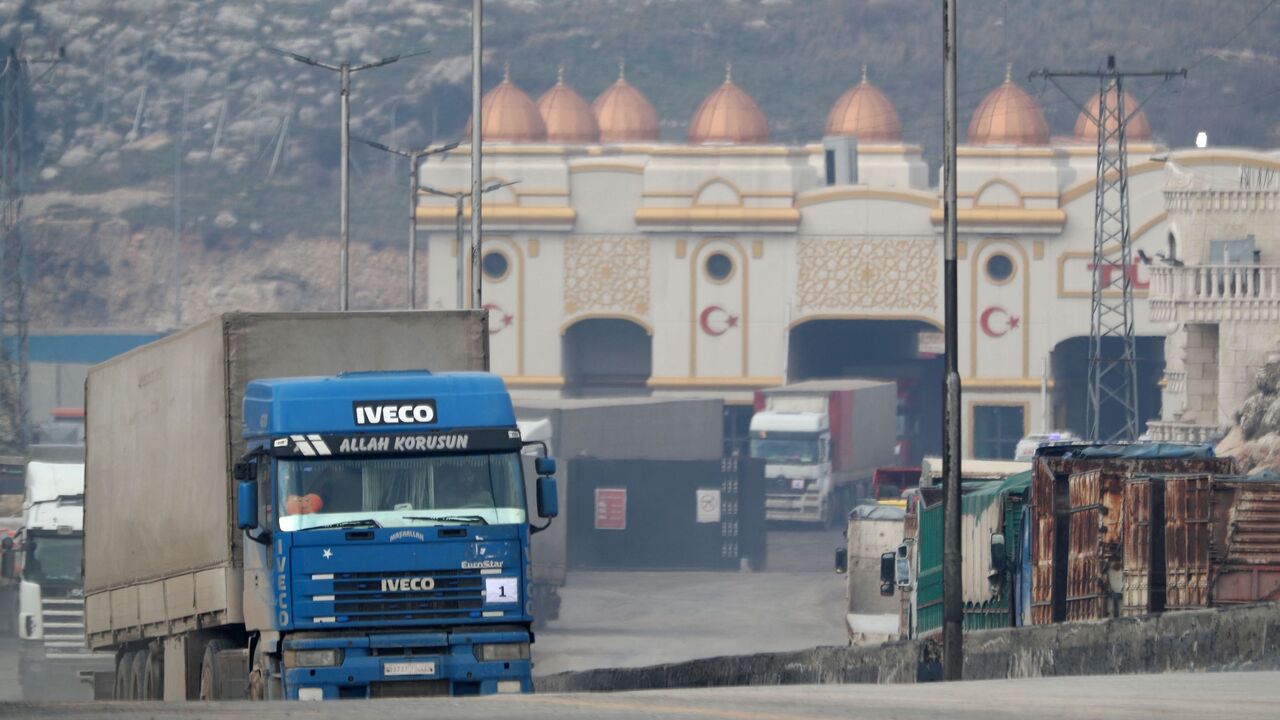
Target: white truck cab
{"x":795,"y":448}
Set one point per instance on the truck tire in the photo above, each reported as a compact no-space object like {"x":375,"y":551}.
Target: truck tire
{"x":210,"y":678}
{"x":264,"y":683}
{"x":137,"y":676}
{"x":153,"y":674}
{"x":124,"y":676}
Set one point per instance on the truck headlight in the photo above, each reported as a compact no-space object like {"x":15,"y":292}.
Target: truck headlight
{"x":502,"y":651}
{"x":313,"y":658}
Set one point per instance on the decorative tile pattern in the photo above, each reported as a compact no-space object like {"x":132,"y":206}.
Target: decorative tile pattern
{"x":606,"y":273}
{"x":849,"y":274}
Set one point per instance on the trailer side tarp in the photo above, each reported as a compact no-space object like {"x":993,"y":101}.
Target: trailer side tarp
{"x":164,"y":427}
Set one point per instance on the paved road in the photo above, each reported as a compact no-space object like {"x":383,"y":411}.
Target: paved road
{"x":1204,"y":696}
{"x":627,"y":619}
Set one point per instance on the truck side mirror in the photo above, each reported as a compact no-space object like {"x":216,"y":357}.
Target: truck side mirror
{"x":246,"y":503}
{"x":887,"y":565}
{"x":999,"y":555}
{"x":903,"y":570}
{"x":242,"y":471}
{"x":544,"y":466}
{"x":842,"y":560}
{"x":7,"y":558}
{"x":548,"y":498}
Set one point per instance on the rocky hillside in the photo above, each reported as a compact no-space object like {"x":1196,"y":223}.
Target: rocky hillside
{"x":1255,"y":439}
{"x":152,"y":89}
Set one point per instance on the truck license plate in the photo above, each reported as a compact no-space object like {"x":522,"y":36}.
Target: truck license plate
{"x":409,"y":668}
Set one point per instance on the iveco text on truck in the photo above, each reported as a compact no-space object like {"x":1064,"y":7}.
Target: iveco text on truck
{"x":821,"y":441}
{"x":285,"y":506}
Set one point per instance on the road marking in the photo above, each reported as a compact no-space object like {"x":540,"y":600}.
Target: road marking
{"x":651,"y":709}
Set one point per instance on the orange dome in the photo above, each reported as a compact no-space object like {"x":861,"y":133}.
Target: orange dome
{"x":510,"y":115}
{"x":623,"y":114}
{"x":566,"y":115}
{"x":865,"y":113}
{"x":1137,"y":127}
{"x":728,"y":115}
{"x":1008,"y":116}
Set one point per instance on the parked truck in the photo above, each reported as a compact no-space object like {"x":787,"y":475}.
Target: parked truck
{"x":821,"y":441}
{"x":44,"y":559}
{"x":285,"y":506}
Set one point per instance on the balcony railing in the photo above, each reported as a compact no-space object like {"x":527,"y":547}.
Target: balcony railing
{"x":1165,"y":431}
{"x":1213,"y":292}
{"x":1215,"y":282}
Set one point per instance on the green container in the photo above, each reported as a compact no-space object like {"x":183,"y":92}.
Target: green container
{"x":1012,"y":494}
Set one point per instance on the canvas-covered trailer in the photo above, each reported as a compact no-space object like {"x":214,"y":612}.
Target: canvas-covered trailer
{"x":163,"y":551}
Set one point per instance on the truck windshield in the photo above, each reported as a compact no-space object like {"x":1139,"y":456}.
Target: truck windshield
{"x":479,"y":489}
{"x":53,"y":558}
{"x":802,"y":451}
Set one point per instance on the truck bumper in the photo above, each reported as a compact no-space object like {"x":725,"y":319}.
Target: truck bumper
{"x":46,"y":676}
{"x":410,"y":665}
{"x":803,"y":507}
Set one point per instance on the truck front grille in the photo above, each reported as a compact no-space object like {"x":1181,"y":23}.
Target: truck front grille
{"x":364,"y":597}
{"x":409,"y":688}
{"x":782,"y":486}
{"x":63,"y":621}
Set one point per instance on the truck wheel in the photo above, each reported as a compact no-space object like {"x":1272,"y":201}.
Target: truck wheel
{"x":137,"y":676}
{"x":153,"y":674}
{"x":210,"y":678}
{"x":262,"y":684}
{"x":124,"y":676}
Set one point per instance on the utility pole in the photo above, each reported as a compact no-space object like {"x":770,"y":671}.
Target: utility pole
{"x":415,"y":158}
{"x":477,"y":130}
{"x":344,"y":71}
{"x":1113,"y":378}
{"x":15,"y":406}
{"x":952,"y":599}
{"x":179,"y":142}
{"x":459,"y":199}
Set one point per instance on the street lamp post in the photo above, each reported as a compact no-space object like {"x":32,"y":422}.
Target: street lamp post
{"x":459,"y":199}
{"x":415,"y":158}
{"x":344,"y":71}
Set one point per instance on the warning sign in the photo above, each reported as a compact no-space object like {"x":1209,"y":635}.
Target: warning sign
{"x":708,"y":505}
{"x":611,"y":508}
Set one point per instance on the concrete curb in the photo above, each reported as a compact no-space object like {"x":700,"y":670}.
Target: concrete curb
{"x":1245,"y":637}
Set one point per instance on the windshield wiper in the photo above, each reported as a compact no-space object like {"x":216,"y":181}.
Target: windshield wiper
{"x":364,"y":522}
{"x":450,"y":518}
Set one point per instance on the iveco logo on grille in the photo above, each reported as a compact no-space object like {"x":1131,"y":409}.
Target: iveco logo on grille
{"x":395,"y":412}
{"x":407,"y":584}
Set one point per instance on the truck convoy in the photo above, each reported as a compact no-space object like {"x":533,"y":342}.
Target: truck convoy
{"x":286,"y":506}
{"x":45,"y":561}
{"x":821,"y":441}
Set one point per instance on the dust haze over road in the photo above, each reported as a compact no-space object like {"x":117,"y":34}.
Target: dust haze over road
{"x":624,"y":619}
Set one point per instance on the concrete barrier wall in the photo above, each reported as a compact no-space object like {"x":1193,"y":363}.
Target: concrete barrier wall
{"x":1241,"y":638}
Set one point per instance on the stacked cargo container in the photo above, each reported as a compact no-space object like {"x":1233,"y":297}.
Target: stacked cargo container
{"x":1078,"y":505}
{"x":1222,"y":540}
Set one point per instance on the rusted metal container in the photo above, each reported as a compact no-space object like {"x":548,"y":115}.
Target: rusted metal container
{"x":1142,"y":531}
{"x":1052,"y":522}
{"x":1222,"y":540}
{"x":1094,"y":560}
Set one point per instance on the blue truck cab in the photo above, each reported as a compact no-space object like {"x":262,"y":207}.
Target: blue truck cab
{"x":386,"y":531}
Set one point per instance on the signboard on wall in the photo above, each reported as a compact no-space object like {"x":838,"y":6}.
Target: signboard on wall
{"x":611,"y":509}
{"x":708,"y":500}
{"x":930,"y":343}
